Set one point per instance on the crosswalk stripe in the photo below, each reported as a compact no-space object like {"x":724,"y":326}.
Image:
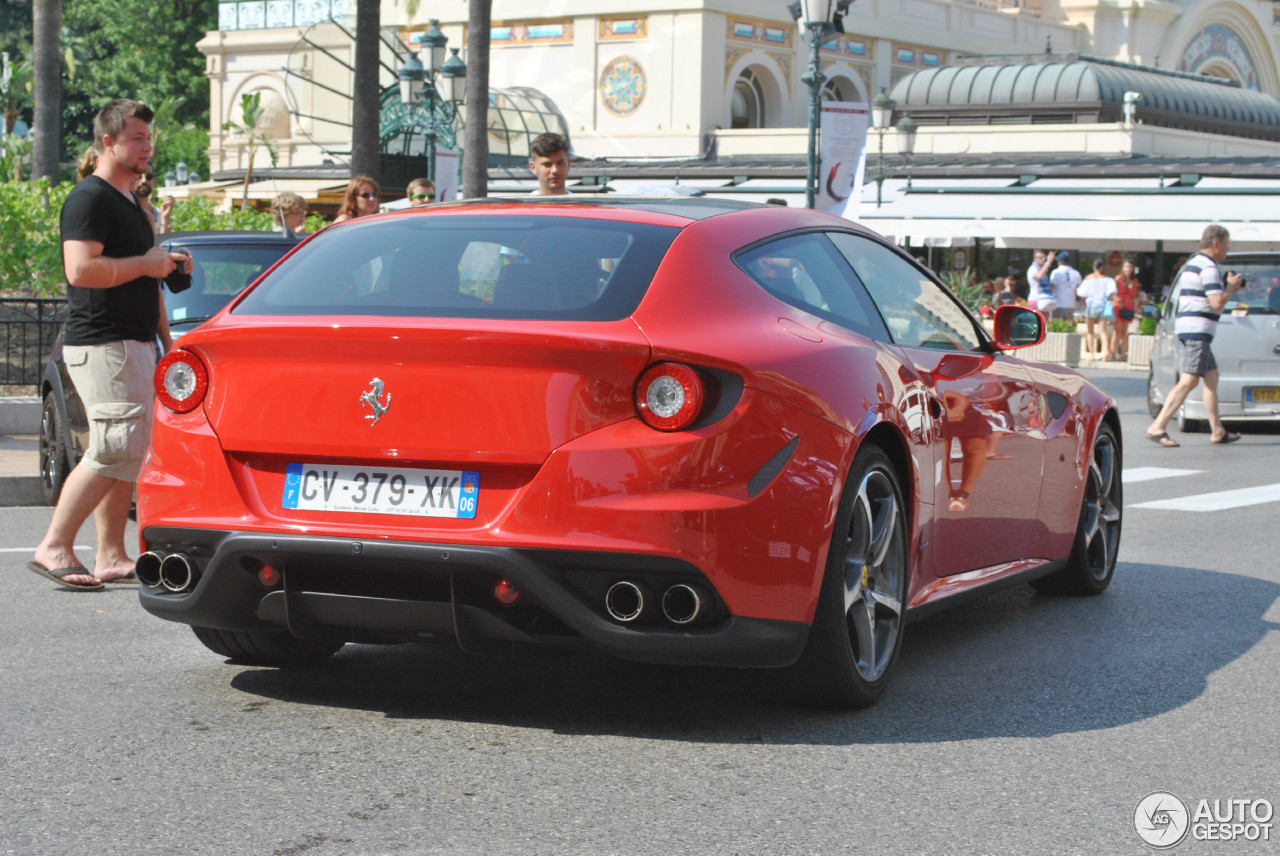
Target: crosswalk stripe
{"x":1218,"y":501}
{"x":1133,"y":475}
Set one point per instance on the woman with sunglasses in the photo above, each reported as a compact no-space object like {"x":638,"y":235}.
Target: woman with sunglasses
{"x":361,"y":198}
{"x":421,"y":191}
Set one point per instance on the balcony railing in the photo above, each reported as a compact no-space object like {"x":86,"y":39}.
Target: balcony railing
{"x":270,"y":14}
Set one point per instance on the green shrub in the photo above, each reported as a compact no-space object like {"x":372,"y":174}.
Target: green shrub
{"x":1147,"y":325}
{"x":31,"y":253}
{"x":1061,"y":325}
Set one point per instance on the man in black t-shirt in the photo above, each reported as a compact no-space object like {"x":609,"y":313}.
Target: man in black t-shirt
{"x":112,"y":267}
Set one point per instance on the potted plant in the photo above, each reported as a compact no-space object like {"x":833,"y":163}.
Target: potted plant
{"x":1062,"y":344}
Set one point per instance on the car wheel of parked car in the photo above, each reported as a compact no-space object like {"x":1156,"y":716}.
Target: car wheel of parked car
{"x":1189,"y":426}
{"x":857,"y":629}
{"x":1153,"y":406}
{"x":1097,"y":542}
{"x":54,"y":465}
{"x":266,"y":647}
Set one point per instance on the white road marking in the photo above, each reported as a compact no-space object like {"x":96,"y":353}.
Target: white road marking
{"x":32,"y":550}
{"x":1133,"y":475}
{"x":1219,"y":501}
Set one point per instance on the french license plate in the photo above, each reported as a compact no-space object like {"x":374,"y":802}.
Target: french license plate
{"x":1264,"y":395}
{"x":382,"y":490}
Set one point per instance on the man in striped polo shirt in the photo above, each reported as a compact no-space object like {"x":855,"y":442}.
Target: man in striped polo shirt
{"x":1201,"y":296}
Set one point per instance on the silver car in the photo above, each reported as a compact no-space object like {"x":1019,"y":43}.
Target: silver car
{"x":1246,"y":347}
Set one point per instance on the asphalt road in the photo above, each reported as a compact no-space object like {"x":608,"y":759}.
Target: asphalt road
{"x":1017,"y":724}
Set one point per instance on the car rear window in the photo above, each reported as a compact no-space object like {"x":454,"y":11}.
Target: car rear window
{"x":220,"y":272}
{"x":487,"y":266}
{"x":1261,"y":292}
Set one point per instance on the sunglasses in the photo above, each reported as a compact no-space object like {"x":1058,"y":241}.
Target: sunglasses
{"x":368,"y":196}
{"x":418,"y":197}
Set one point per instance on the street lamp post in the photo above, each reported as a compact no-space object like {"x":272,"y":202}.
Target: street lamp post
{"x":817,"y":18}
{"x":881,"y":116}
{"x":907,"y":142}
{"x":435,"y":106}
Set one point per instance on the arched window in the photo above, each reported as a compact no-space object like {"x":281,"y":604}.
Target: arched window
{"x":836,"y":89}
{"x":747,"y":105}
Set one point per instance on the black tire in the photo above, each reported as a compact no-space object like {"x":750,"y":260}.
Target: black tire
{"x":54,"y":464}
{"x":857,"y":629}
{"x":1097,"y":542}
{"x":1153,"y":406}
{"x":1189,"y":426}
{"x":266,"y":647}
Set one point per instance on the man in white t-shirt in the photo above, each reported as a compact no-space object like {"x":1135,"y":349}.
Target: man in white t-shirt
{"x":1066,"y":280}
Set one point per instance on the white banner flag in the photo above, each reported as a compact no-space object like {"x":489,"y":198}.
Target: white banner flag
{"x":843,"y":157}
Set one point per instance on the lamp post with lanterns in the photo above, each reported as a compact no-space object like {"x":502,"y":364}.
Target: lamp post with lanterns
{"x":432,"y":92}
{"x":817,"y":18}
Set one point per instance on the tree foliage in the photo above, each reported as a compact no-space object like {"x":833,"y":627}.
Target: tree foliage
{"x":142,"y":49}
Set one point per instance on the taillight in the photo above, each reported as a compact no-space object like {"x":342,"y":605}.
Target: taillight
{"x":181,"y":381}
{"x":669,"y":396}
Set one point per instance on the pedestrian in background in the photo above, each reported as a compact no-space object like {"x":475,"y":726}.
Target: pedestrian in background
{"x":112,"y":267}
{"x":1096,"y":290}
{"x":549,"y":162}
{"x":1122,"y":304}
{"x":289,"y":209}
{"x":1201,"y":296}
{"x":360,"y":200}
{"x":421,"y":191}
{"x":1065,"y":280}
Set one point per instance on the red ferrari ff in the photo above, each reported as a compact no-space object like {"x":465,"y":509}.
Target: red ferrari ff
{"x":677,"y":430}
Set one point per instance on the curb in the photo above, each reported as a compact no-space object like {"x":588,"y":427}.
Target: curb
{"x":20,"y":491}
{"x":20,"y":414}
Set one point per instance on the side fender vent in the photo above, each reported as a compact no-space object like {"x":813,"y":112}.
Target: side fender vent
{"x":772,"y":467}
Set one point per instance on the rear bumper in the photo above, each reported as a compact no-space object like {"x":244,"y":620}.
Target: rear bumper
{"x":396,"y":590}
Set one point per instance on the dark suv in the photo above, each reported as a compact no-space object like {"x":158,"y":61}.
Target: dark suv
{"x":225,"y":262}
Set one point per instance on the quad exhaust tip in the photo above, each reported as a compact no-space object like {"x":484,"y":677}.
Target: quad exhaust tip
{"x":148,"y":568}
{"x":176,"y":572}
{"x":683,"y":603}
{"x":625,"y":601}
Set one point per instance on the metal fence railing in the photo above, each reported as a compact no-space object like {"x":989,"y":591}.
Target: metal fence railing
{"x":29,"y":326}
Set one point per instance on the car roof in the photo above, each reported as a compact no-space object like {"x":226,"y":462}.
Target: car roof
{"x":688,"y":207}
{"x":229,"y":236}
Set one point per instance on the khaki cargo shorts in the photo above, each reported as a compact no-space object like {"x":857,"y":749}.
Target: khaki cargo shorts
{"x":115,"y":384}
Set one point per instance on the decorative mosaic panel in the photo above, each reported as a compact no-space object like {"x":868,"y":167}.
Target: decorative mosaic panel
{"x":623,"y":85}
{"x":846,"y":45}
{"x":507,"y":33}
{"x":636,"y":27}
{"x":1221,"y":43}
{"x":731,"y":57}
{"x":769,"y":33}
{"x":916,"y":56}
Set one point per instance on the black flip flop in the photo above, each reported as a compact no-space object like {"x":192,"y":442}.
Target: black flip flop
{"x":1163,"y":440}
{"x":127,"y":579}
{"x":1227,"y":437}
{"x":58,"y":575}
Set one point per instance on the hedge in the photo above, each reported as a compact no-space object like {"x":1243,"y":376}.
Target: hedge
{"x":30,"y":249}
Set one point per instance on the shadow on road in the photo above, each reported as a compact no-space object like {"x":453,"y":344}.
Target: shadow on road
{"x":1016,"y":664}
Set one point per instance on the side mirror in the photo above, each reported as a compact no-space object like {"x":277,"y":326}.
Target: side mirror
{"x":1018,"y":327}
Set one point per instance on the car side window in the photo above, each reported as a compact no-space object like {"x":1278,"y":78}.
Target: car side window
{"x":806,"y":272}
{"x":919,"y":312}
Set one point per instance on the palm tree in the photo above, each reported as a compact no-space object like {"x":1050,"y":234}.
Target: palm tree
{"x":365,"y":118}
{"x":475,"y":147}
{"x":251,"y":128}
{"x":47,"y":61}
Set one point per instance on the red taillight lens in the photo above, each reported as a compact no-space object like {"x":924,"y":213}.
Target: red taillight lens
{"x":505,"y":592}
{"x":669,"y":396}
{"x":181,"y":381}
